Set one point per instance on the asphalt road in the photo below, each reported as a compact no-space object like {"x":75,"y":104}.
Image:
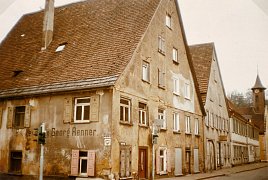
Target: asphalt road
{"x":258,"y":174}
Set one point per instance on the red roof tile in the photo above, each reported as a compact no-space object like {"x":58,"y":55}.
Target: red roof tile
{"x":101,"y":37}
{"x":202,"y":55}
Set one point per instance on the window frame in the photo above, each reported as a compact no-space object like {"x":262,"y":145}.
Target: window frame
{"x":145,"y":71}
{"x":82,"y":111}
{"x":176,"y":122}
{"x":187,"y":125}
{"x":168,"y":21}
{"x":163,"y":163}
{"x":175,"y":54}
{"x":124,"y":107}
{"x":187,"y":92}
{"x":161,"y":79}
{"x":161,"y":45}
{"x":17,"y":116}
{"x":162,"y":115}
{"x":196,"y":126}
{"x":143,"y":111}
{"x":176,"y":86}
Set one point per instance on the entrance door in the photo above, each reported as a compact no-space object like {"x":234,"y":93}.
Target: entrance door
{"x":142,"y":163}
{"x":188,"y":162}
{"x":178,"y":162}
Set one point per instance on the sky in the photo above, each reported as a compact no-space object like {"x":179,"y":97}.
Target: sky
{"x":237,"y":27}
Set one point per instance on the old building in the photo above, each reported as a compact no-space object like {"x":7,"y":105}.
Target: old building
{"x":256,"y":113}
{"x":99,"y":74}
{"x":216,"y":125}
{"x":245,"y":146}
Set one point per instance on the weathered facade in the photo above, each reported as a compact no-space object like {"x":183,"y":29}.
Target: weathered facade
{"x":110,"y":71}
{"x":216,"y":125}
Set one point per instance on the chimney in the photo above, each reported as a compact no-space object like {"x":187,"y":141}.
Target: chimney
{"x":48,"y":24}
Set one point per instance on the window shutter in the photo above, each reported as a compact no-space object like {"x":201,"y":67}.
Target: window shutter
{"x":168,"y":160}
{"x":1,"y":112}
{"x":10,"y":116}
{"x":122,"y":162}
{"x":27,"y":120}
{"x":91,"y":163}
{"x":74,"y":162}
{"x":157,"y":161}
{"x":67,"y":117}
{"x":128,"y":161}
{"x":94,"y":108}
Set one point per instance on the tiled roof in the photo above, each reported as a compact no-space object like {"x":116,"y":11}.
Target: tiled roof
{"x":202,"y":55}
{"x":101,"y":37}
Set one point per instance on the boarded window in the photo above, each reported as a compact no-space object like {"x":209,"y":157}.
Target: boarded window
{"x":16,"y":162}
{"x":94,"y":108}
{"x":125,"y":161}
{"x":161,"y":45}
{"x":27,"y":121}
{"x":67,"y":117}
{"x":161,"y":78}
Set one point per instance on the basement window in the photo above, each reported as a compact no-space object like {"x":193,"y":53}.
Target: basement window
{"x":15,"y":162}
{"x":61,"y":47}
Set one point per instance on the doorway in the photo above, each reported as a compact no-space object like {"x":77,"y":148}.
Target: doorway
{"x":143,"y":163}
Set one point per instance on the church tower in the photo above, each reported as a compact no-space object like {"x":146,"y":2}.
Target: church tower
{"x":258,"y":95}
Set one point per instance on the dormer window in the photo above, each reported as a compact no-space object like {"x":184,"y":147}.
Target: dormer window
{"x":16,"y":73}
{"x":61,"y":47}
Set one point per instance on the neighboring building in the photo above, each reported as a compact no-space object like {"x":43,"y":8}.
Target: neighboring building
{"x":245,"y":146}
{"x":256,"y":113}
{"x":216,"y":125}
{"x":99,"y":76}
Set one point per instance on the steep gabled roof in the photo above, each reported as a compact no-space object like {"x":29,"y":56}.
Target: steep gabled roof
{"x":99,"y":36}
{"x":202,"y":56}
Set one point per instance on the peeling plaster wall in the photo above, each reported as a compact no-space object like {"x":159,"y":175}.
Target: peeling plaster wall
{"x":61,"y":137}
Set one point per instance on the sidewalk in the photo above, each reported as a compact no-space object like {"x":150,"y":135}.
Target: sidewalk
{"x":222,"y":172}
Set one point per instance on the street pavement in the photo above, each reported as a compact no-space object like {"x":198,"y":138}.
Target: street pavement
{"x":227,"y":173}
{"x":257,"y":174}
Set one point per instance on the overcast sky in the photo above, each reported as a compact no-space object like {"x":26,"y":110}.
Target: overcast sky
{"x":237,"y":27}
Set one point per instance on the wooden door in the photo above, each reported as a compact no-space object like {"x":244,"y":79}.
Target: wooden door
{"x":188,"y":162}
{"x":142,"y":163}
{"x":178,"y":162}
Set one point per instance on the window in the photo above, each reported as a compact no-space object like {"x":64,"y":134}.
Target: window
{"x":162,"y":160}
{"x":15,"y":162}
{"x":196,"y":127}
{"x":143,"y":114}
{"x":175,"y":55}
{"x":207,"y":118}
{"x":176,"y":122}
{"x":161,"y":45}
{"x":168,"y":20}
{"x":187,"y":125}
{"x":61,"y":47}
{"x":83,"y":163}
{"x":176,"y":86}
{"x":82,"y":110}
{"x":19,"y":117}
{"x":187,"y":91}
{"x":161,"y":78}
{"x":161,"y":115}
{"x":145,"y":71}
{"x":125,"y":110}
{"x":125,"y":161}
